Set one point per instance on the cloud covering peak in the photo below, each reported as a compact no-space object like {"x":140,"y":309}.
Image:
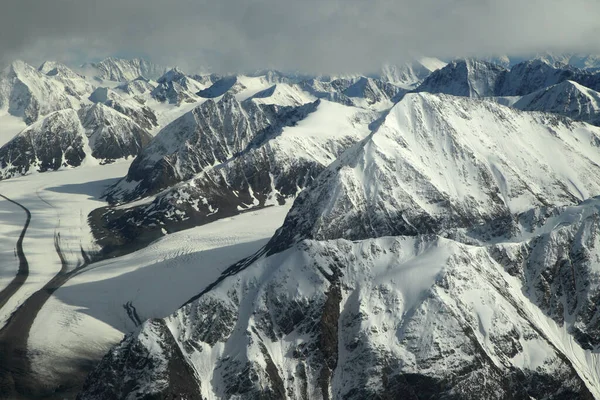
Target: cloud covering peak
{"x":309,"y":35}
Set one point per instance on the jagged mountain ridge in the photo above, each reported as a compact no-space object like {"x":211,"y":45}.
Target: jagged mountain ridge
{"x":176,"y":88}
{"x":123,"y":70}
{"x":132,"y":108}
{"x":28,"y":93}
{"x":502,"y":307}
{"x":434,"y":163}
{"x":475,"y":78}
{"x":567,"y":98}
{"x":268,"y":164}
{"x":69,"y":137}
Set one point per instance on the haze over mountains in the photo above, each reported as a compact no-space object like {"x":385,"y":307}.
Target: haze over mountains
{"x":427,"y":231}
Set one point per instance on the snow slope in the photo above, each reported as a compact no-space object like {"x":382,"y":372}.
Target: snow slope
{"x":438,"y":162}
{"x":122,"y":70}
{"x":567,"y":98}
{"x":70,"y":138}
{"x":59,"y":203}
{"x":88,"y":315}
{"x":241,"y":156}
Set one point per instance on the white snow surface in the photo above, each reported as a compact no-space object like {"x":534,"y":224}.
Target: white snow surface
{"x":86,"y":317}
{"x":59,"y":203}
{"x":450,"y":159}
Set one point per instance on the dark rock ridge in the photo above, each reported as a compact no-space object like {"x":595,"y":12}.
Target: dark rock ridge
{"x":56,"y":141}
{"x":110,"y":134}
{"x":443,"y":256}
{"x":65,"y":138}
{"x":136,"y":110}
{"x":473,"y":78}
{"x":438,"y":162}
{"x":210,"y":134}
{"x":175,"y":87}
{"x":567,"y":98}
{"x":259,"y":167}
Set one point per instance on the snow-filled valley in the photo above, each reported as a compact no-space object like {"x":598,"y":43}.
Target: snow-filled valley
{"x":430,"y":230}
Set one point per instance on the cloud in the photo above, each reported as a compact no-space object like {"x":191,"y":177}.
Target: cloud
{"x":306,"y":35}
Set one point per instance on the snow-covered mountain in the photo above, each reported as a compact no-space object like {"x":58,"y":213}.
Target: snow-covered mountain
{"x":410,"y":75}
{"x":131,"y":107}
{"x":229,"y":157}
{"x":123,"y":70}
{"x":176,"y":88}
{"x":55,"y":141}
{"x":438,"y":162}
{"x":371,"y":90}
{"x":472,"y":273}
{"x":68,"y":137}
{"x":567,"y":98}
{"x":440,"y":244}
{"x":112,"y":135}
{"x":474,"y":78}
{"x":30,"y":94}
{"x":470,"y":78}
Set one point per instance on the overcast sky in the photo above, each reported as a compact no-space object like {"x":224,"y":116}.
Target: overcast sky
{"x":307,"y":35}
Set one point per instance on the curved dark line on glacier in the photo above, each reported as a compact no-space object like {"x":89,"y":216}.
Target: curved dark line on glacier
{"x":23,"y":271}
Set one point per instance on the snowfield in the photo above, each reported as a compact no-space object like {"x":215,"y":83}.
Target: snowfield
{"x":59,"y":203}
{"x":89,"y":314}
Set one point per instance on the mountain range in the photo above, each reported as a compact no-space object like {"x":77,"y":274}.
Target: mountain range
{"x":441,"y":239}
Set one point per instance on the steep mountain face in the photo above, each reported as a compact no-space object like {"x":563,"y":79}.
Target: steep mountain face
{"x":441,"y":162}
{"x":357,"y":91}
{"x":277,"y":151}
{"x":567,"y":98}
{"x":410,"y":75}
{"x":137,"y":87}
{"x":421,"y":317}
{"x":56,"y":141}
{"x":111,"y":134}
{"x":221,"y":86}
{"x":133,"y":108}
{"x":75,"y":85}
{"x":282,"y":94}
{"x":175,"y":87}
{"x":331,"y":90}
{"x":530,"y":76}
{"x":469,"y":78}
{"x":68,"y":137}
{"x":27,"y":93}
{"x":121,"y":70}
{"x":499,"y":303}
{"x":209,"y":134}
{"x":372,"y":90}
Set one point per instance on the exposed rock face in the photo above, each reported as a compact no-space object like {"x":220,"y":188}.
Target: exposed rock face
{"x":440,"y":162}
{"x":154,"y":349}
{"x":65,"y":138}
{"x":176,"y":88}
{"x":111,"y":134}
{"x":273,"y":154}
{"x":28,"y":93}
{"x":210,"y":134}
{"x":472,"y":78}
{"x":469,"y":78}
{"x":56,"y":141}
{"x":472,"y":272}
{"x":121,"y":70}
{"x":134,"y":109}
{"x":567,"y":98}
{"x":386,"y":318}
{"x":372,"y":90}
